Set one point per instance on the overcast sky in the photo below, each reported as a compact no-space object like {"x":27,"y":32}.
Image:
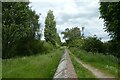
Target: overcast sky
{"x":72,"y":13}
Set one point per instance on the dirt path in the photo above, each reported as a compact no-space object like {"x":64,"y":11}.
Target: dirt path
{"x":94,"y":70}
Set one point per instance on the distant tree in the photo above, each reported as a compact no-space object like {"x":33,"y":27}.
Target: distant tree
{"x":110,"y":12}
{"x":50,"y":31}
{"x":66,"y":34}
{"x":72,"y":35}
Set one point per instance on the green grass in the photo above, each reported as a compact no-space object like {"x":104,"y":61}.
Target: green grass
{"x":106,"y":63}
{"x":0,"y":68}
{"x":38,"y":66}
{"x":80,"y":70}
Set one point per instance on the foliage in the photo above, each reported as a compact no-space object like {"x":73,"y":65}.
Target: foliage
{"x":93,"y":44}
{"x":47,"y":47}
{"x":30,"y":47}
{"x":58,"y":44}
{"x":50,"y":31}
{"x":20,"y":24}
{"x":90,"y":44}
{"x":110,"y":13}
{"x":37,"y":66}
{"x":112,"y":48}
{"x":72,"y":36}
{"x":109,"y":63}
{"x":14,"y":20}
{"x":73,"y":39}
{"x":80,"y":70}
{"x":34,"y":23}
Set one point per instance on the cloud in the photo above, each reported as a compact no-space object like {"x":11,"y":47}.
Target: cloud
{"x":72,"y":13}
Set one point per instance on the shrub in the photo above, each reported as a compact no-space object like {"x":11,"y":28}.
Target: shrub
{"x":28,"y":46}
{"x":93,"y":44}
{"x":47,"y":46}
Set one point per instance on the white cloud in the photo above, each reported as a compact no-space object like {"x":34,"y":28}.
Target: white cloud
{"x":72,"y":13}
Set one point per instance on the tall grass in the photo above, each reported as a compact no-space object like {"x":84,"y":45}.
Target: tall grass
{"x":0,"y":68}
{"x":107,"y":63}
{"x":38,"y":66}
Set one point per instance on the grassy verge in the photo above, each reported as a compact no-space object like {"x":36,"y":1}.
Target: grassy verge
{"x":106,"y":63}
{"x":80,"y":70}
{"x":38,"y":66}
{"x":0,"y":68}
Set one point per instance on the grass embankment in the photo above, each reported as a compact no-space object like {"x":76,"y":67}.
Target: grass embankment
{"x":79,"y":69}
{"x":106,"y":63}
{"x":37,"y":66}
{"x":0,"y":68}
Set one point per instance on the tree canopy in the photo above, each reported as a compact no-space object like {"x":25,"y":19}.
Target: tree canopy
{"x":50,"y":31}
{"x":72,"y":36}
{"x":18,"y":22}
{"x":110,"y":12}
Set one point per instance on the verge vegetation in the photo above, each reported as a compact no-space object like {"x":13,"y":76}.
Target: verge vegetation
{"x":80,"y":70}
{"x":106,"y":63}
{"x":37,"y":66}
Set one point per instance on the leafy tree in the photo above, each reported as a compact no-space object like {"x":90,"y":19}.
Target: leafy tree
{"x":50,"y":31}
{"x":70,"y":35}
{"x":14,"y":20}
{"x":110,"y":13}
{"x":34,"y":23}
{"x":18,"y":22}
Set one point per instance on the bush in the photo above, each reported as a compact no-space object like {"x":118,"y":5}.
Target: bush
{"x":92,"y":44}
{"x":47,"y":46}
{"x":28,"y":46}
{"x":114,"y":48}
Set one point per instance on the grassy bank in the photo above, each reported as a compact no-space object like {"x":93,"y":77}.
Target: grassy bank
{"x":80,"y":70}
{"x":0,"y":68}
{"x":38,"y":66}
{"x":106,"y":63}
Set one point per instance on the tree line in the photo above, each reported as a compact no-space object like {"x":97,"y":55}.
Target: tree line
{"x":110,"y":13}
{"x":21,"y":35}
{"x":21,"y":31}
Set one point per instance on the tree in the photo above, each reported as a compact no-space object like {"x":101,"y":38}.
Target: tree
{"x":72,"y":36}
{"x":50,"y":31}
{"x":110,"y":13}
{"x":14,"y":20}
{"x":34,"y":23}
{"x":58,"y":40}
{"x":18,"y":22}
